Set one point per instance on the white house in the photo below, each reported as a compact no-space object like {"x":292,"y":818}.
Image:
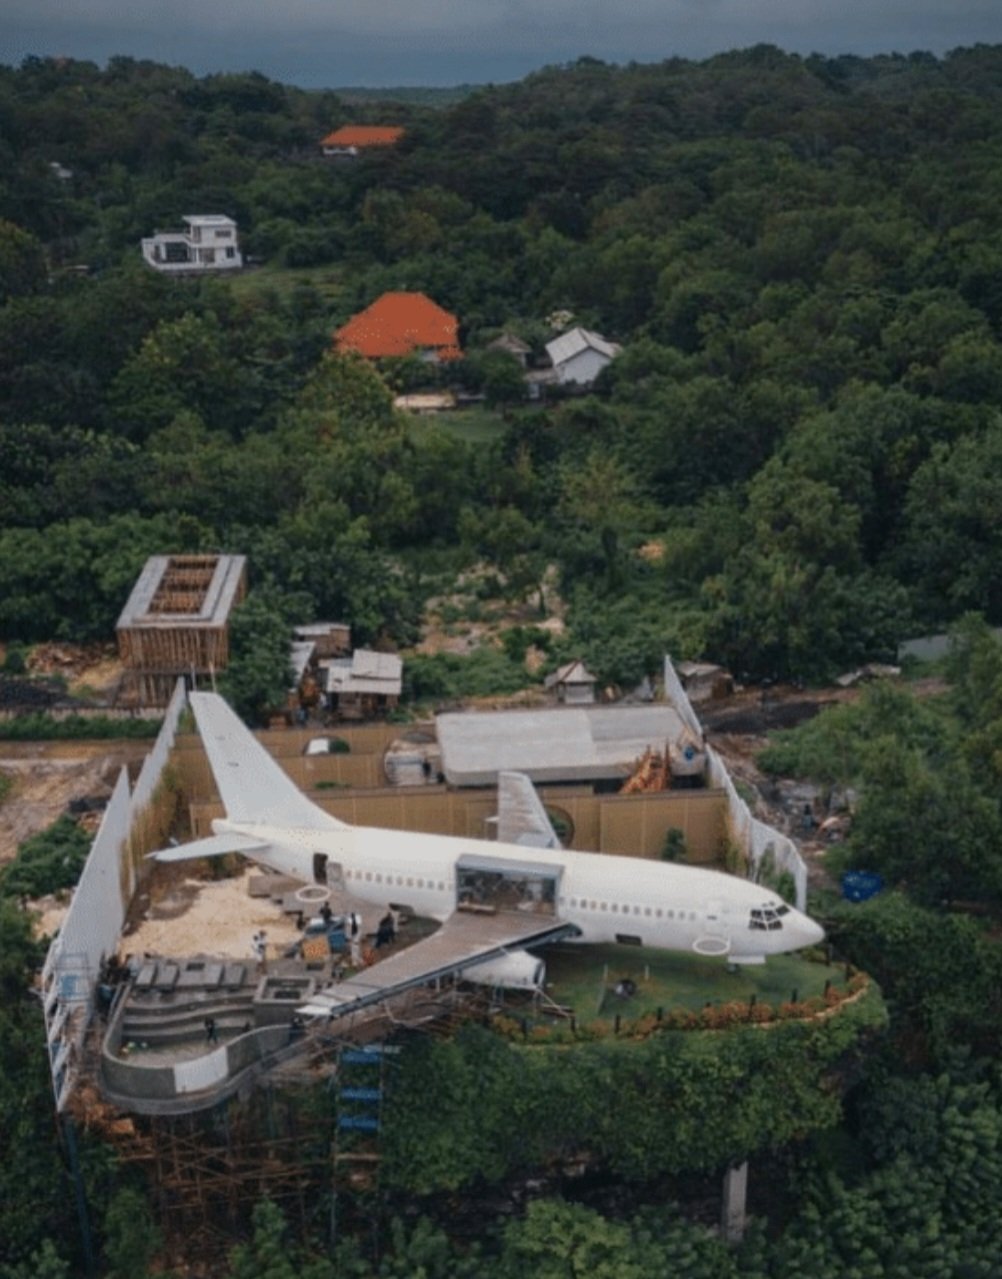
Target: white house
{"x":579,"y":355}
{"x":208,"y":243}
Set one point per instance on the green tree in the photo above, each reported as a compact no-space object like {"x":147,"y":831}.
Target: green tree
{"x":131,"y":1236}
{"x":22,"y":262}
{"x":949,"y":550}
{"x":272,"y":1254}
{"x":258,"y":678}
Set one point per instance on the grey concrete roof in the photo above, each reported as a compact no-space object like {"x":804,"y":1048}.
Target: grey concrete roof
{"x":560,"y":744}
{"x":215,"y":605}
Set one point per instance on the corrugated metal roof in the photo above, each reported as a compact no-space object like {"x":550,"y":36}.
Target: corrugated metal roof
{"x":366,"y":672}
{"x":567,"y":345}
{"x":559,"y":744}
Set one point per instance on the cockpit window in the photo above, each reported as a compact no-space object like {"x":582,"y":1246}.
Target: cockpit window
{"x":767,"y":918}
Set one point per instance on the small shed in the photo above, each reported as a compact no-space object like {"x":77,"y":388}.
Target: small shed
{"x":365,"y":685}
{"x":511,"y":344}
{"x":330,"y":639}
{"x":574,"y":684}
{"x":704,"y":681}
{"x":175,"y":623}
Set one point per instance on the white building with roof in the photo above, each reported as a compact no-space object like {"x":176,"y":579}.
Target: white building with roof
{"x":559,"y":744}
{"x":208,"y":243}
{"x":579,"y":356}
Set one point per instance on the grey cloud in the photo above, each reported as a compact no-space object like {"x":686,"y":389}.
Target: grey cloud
{"x":328,"y":42}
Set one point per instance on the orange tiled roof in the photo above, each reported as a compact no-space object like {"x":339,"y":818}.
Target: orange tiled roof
{"x":363,"y":135}
{"x":398,"y":324}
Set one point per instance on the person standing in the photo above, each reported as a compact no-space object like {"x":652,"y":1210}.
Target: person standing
{"x":355,"y":938}
{"x":386,"y":930}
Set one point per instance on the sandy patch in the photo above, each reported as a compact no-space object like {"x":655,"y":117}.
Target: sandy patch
{"x":189,"y":916}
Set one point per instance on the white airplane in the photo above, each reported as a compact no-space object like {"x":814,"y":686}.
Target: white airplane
{"x":491,"y":897}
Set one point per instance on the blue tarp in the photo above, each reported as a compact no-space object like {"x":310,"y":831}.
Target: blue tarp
{"x":858,"y":885}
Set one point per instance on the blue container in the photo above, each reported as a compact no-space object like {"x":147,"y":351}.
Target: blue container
{"x":860,"y":885}
{"x":358,"y":1123}
{"x":360,"y":1094}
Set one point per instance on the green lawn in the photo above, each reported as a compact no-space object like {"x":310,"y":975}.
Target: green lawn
{"x":583,"y":978}
{"x":327,"y":279}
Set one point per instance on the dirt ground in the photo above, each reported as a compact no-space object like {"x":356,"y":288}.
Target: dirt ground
{"x":48,"y":776}
{"x":485,"y":620}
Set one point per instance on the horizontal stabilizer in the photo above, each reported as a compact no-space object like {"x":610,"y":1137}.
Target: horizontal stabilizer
{"x":213,"y":846}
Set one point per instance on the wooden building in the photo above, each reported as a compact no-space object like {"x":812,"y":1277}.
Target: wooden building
{"x":365,"y":685}
{"x":176,"y":623}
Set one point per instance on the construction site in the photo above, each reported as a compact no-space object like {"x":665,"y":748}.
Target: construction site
{"x":171,"y":994}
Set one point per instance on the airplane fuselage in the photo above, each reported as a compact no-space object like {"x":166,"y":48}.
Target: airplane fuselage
{"x":609,"y":898}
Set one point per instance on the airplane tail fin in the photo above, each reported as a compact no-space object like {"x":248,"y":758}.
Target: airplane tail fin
{"x":253,"y":787}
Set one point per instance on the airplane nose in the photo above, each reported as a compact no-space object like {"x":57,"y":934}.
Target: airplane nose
{"x":810,"y":931}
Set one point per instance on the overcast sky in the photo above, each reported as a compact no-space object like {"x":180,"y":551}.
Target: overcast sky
{"x":326,"y":43}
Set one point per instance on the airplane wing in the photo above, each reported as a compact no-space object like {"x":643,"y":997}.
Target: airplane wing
{"x":252,"y":786}
{"x":462,"y":941}
{"x":214,"y":846}
{"x":522,"y":819}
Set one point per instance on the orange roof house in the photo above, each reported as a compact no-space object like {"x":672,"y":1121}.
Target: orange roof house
{"x":352,"y":138}
{"x":401,"y":324}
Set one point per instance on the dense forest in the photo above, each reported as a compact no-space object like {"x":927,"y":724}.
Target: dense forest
{"x":792,"y":465}
{"x":800,"y":258}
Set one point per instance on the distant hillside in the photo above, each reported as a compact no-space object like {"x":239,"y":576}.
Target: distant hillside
{"x":414,"y":95}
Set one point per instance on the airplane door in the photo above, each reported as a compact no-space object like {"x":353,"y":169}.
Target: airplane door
{"x":326,"y":872}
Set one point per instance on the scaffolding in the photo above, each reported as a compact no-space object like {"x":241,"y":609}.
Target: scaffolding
{"x":306,"y":1135}
{"x":176,"y":622}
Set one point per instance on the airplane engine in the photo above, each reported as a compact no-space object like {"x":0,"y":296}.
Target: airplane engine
{"x":517,"y":970}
